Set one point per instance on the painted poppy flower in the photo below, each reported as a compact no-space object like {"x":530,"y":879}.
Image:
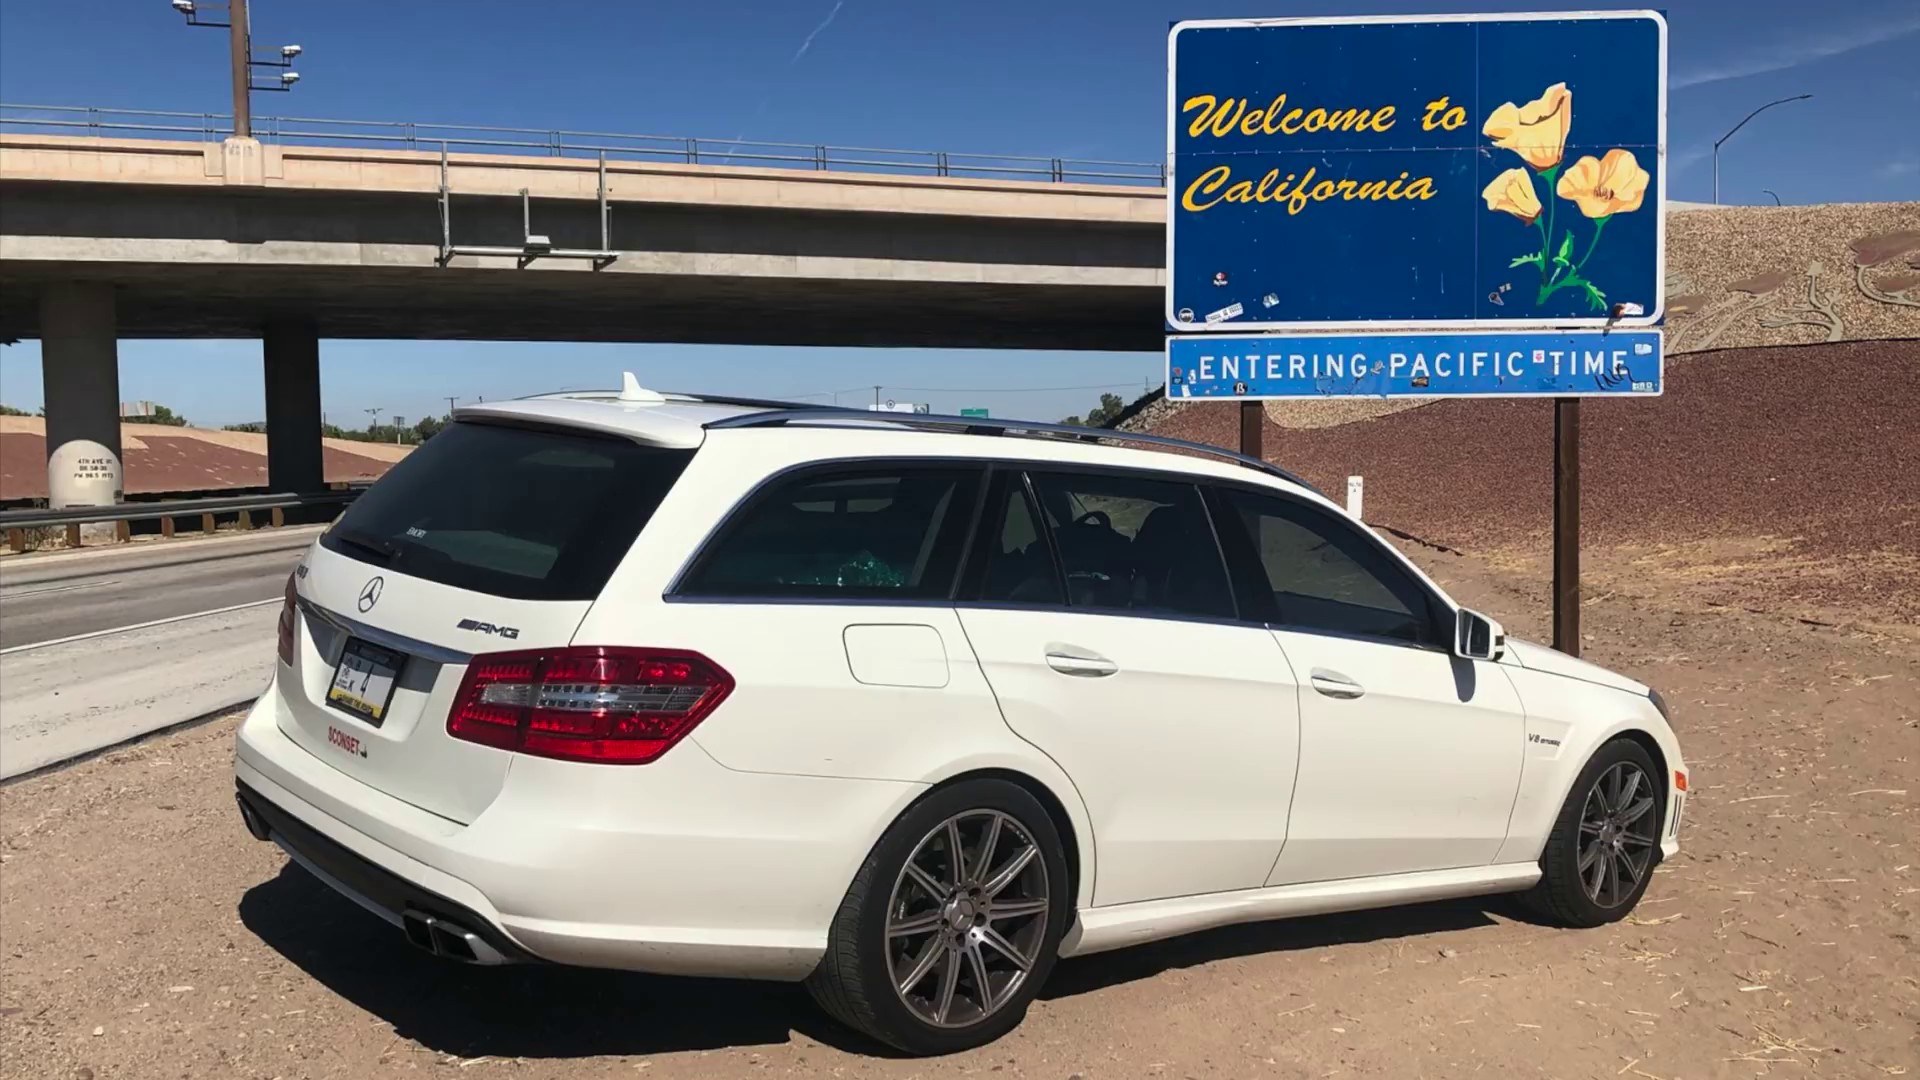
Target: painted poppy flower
{"x":1602,"y":187}
{"x":1537,"y":131}
{"x":1512,"y":192}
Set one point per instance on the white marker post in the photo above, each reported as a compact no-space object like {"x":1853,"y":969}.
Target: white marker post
{"x":1355,"y":496}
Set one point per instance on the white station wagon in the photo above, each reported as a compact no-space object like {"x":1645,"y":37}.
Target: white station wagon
{"x":908,"y":707}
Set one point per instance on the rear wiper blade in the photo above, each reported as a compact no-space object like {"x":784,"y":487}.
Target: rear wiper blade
{"x":367,"y":542}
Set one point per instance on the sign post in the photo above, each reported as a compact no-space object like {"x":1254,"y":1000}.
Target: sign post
{"x":1420,"y":206}
{"x":1251,"y":414}
{"x":1566,"y":525}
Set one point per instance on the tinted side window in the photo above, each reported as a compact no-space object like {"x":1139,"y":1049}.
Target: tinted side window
{"x":884,"y":533}
{"x":1134,"y":544}
{"x":1323,"y":574}
{"x":1016,"y":564}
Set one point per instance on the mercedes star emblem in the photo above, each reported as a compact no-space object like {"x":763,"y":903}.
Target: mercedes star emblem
{"x":370,"y":594}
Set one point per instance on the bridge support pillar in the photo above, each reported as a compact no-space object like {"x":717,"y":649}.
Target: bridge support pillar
{"x":291,"y":352}
{"x":80,"y":371}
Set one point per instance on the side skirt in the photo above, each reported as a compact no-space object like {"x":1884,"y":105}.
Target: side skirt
{"x":1102,"y":928}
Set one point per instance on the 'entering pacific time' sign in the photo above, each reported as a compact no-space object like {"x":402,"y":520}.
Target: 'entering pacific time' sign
{"x":1492,"y":363}
{"x":1469,"y":171}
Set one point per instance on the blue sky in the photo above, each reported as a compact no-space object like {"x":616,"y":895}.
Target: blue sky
{"x":1068,"y":78}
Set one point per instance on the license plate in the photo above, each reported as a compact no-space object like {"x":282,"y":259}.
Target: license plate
{"x":363,"y":683}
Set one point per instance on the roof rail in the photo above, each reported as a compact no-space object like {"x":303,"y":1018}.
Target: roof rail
{"x":677,"y":395}
{"x":975,"y":425}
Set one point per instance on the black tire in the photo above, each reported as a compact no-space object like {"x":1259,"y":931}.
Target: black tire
{"x":855,"y":982}
{"x":1565,"y":894}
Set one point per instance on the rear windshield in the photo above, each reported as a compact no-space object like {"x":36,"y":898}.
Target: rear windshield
{"x":527,"y":513}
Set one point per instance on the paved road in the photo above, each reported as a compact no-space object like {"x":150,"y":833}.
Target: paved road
{"x":72,"y":697}
{"x":60,"y":595}
{"x":97,"y":647}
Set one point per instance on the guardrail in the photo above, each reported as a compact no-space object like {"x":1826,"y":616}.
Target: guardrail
{"x":17,"y":522}
{"x":558,"y":142}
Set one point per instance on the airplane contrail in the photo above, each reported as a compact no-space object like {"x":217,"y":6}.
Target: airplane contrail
{"x":817,"y":31}
{"x":761,"y":108}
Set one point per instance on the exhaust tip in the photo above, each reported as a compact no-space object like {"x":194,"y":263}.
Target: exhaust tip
{"x":252,"y":820}
{"x":451,"y":943}
{"x":419,"y":931}
{"x":449,"y":940}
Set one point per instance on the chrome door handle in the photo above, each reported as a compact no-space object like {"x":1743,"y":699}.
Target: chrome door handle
{"x":1335,"y":685}
{"x":1068,"y":661}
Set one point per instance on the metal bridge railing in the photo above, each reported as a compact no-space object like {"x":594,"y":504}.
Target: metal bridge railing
{"x":559,"y":142}
{"x":16,"y":523}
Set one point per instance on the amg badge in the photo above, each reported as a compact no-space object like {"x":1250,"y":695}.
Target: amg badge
{"x":508,"y":632}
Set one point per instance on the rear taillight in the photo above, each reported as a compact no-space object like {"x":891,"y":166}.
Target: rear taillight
{"x":289,"y":614}
{"x":606,"y":704}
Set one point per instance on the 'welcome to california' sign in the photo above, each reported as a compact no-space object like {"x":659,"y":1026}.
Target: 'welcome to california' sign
{"x":1426,"y":171}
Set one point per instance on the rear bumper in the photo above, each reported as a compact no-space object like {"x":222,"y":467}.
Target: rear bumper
{"x":678,"y":867}
{"x":424,"y":915}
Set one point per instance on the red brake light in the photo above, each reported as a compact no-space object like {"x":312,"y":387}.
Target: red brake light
{"x":289,"y":613}
{"x":605,"y":704}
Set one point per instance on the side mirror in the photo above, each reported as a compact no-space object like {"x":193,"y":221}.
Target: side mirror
{"x":1476,"y":637}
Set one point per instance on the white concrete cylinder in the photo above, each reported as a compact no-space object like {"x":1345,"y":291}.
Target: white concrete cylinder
{"x":81,"y":472}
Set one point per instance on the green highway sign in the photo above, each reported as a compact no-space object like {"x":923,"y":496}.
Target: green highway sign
{"x":982,"y":413}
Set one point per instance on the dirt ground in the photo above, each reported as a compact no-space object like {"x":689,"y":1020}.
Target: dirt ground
{"x":143,"y":934}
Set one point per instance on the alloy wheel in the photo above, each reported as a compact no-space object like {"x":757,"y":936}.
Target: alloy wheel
{"x":1617,"y":838}
{"x":967,"y":918}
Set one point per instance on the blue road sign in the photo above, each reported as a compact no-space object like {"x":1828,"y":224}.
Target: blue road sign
{"x":1493,"y":363}
{"x":1397,"y":172}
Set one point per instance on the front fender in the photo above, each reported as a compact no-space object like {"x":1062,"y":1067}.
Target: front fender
{"x":1567,"y":721}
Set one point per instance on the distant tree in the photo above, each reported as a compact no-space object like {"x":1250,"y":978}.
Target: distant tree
{"x":409,"y":435}
{"x":257,"y":427}
{"x":161,"y":415}
{"x":8,"y":410}
{"x":1109,"y":407}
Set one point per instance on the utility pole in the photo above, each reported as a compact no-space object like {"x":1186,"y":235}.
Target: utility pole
{"x":450,"y":400}
{"x":240,"y":57}
{"x":240,"y":48}
{"x":374,"y":422}
{"x":876,"y":397}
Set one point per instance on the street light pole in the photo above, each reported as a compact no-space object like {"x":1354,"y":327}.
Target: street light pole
{"x":1729,"y":135}
{"x":240,"y":49}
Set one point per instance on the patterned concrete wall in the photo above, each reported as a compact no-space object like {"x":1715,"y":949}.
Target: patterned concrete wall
{"x":1749,"y":276}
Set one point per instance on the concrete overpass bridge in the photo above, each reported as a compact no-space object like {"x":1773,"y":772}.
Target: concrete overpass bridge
{"x":103,"y":236}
